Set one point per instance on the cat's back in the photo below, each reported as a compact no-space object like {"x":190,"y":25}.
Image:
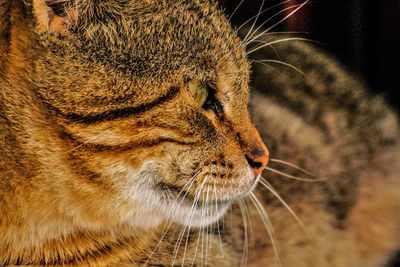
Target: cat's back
{"x":313,"y":113}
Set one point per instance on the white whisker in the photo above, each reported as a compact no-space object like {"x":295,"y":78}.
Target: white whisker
{"x":237,"y":7}
{"x":191,"y":182}
{"x":267,"y":185}
{"x":265,"y":10}
{"x":267,"y":65}
{"x":197,"y":246}
{"x":178,"y":244}
{"x":189,"y":219}
{"x":292,"y":165}
{"x":192,"y":210}
{"x":219,"y":232}
{"x":202,"y":223}
{"x":249,"y":218}
{"x":262,"y":24}
{"x":245,"y":244}
{"x":268,"y":225}
{"x":280,"y":21}
{"x":207,"y":236}
{"x":254,"y":22}
{"x":282,"y":63}
{"x":277,"y":41}
{"x":295,"y":177}
{"x":186,"y":244}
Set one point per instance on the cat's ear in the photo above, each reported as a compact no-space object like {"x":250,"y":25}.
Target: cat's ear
{"x":55,"y":16}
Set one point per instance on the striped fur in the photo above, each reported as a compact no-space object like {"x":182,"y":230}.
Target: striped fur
{"x":99,"y":137}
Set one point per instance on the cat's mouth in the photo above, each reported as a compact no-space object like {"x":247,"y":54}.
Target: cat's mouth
{"x":197,"y":213}
{"x":192,"y":211}
{"x":187,"y":210}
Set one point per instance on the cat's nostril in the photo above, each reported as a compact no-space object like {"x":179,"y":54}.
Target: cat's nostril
{"x":257,"y":160}
{"x":253,"y":164}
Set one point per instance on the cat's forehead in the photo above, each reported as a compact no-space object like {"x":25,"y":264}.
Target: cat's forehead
{"x":192,"y":37}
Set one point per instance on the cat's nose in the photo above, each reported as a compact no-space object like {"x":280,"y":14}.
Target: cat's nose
{"x":258,"y":159}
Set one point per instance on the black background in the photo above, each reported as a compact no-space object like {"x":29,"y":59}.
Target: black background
{"x":364,"y":35}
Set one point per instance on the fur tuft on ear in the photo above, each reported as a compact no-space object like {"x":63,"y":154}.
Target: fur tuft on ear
{"x":54,"y":15}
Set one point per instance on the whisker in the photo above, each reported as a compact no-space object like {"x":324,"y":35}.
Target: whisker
{"x":219,"y":232}
{"x":271,"y":46}
{"x":281,"y":32}
{"x":262,"y":24}
{"x":212,"y":231}
{"x":282,"y":20}
{"x":278,"y":41}
{"x":282,"y":63}
{"x":186,"y":244}
{"x":267,"y":185}
{"x":265,"y":10}
{"x":159,"y":242}
{"x":245,"y":244}
{"x":192,"y":209}
{"x":178,"y":244}
{"x":254,"y":22}
{"x":179,"y":240}
{"x":202,"y":225}
{"x":295,"y":177}
{"x":269,"y":66}
{"x":237,"y":7}
{"x":202,"y":232}
{"x":197,"y":246}
{"x":249,"y":218}
{"x":268,"y":226}
{"x":191,"y":181}
{"x":292,"y":165}
{"x":197,"y":197}
{"x":207,"y":235}
{"x":201,"y":228}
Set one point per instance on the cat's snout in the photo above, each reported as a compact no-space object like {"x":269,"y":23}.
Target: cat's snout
{"x":257,"y":159}
{"x":254,"y":149}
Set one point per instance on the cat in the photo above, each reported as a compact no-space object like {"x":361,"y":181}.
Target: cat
{"x":126,"y":140}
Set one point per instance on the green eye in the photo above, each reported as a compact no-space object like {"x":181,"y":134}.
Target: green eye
{"x":198,"y":90}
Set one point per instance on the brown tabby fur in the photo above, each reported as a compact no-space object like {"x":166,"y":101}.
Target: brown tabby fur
{"x":94,"y":112}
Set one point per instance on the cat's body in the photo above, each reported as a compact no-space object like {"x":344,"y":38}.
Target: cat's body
{"x":90,"y":116}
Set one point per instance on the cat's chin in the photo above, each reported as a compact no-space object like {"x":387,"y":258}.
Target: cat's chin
{"x":205,"y":213}
{"x":154,"y":203}
{"x":201,"y":215}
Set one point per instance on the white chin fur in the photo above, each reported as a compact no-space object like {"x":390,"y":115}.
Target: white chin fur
{"x":206,"y":214}
{"x":151,"y":208}
{"x":200,"y":216}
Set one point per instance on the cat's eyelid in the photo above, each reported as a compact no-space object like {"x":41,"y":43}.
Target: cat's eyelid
{"x":212,"y":86}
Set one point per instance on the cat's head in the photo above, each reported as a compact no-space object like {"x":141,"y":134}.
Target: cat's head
{"x":149,"y":100}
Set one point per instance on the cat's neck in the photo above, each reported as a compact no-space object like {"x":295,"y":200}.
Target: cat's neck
{"x":101,"y":247}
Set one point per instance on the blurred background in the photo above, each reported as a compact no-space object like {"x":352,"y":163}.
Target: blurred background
{"x":363,"y":35}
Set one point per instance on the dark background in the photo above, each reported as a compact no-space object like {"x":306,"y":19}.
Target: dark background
{"x":364,"y":35}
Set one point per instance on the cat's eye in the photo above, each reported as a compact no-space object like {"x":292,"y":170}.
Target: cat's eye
{"x":59,"y":6}
{"x":199,"y":91}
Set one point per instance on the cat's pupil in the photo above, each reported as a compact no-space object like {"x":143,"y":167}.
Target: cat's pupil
{"x":58,"y":6}
{"x":212,"y":103}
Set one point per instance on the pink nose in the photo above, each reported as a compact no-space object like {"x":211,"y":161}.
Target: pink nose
{"x":258,"y":159}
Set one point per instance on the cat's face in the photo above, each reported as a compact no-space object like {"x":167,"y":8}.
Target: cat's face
{"x":150,"y":101}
